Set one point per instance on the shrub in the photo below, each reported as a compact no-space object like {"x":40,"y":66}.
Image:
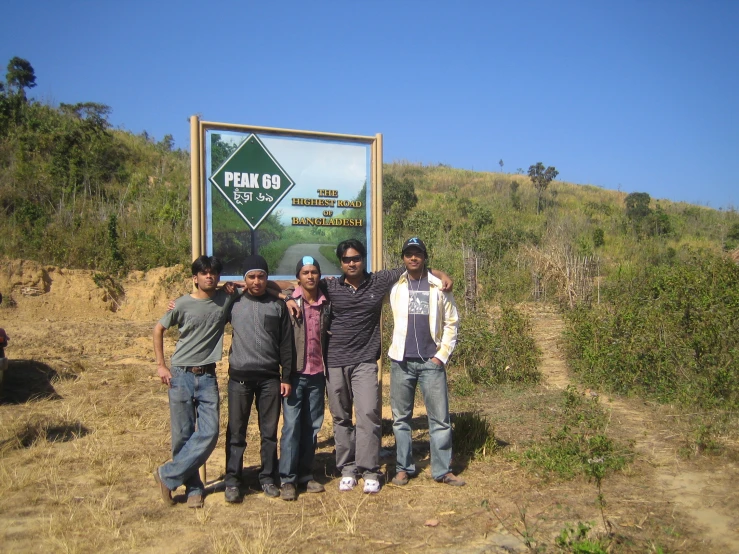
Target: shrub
{"x":502,"y":352}
{"x":580,"y":446}
{"x":670,"y":332}
{"x":472,"y":435}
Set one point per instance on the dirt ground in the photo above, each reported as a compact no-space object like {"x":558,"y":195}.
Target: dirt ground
{"x":84,"y":421}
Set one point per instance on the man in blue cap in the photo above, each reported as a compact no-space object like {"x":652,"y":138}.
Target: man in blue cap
{"x":302,"y":411}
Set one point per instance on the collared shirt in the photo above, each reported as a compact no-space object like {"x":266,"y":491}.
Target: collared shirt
{"x":312,"y":319}
{"x":355,"y":317}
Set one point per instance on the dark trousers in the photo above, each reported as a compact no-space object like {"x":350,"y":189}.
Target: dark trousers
{"x":240,"y":399}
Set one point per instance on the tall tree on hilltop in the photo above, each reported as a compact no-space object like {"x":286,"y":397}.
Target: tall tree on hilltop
{"x":541,"y":177}
{"x":20,"y":76}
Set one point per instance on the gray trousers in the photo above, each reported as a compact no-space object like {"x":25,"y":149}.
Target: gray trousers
{"x":357,"y":446}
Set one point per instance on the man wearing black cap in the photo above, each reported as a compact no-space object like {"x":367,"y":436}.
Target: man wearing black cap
{"x":424,"y":336}
{"x":302,"y":411}
{"x":262,"y":345}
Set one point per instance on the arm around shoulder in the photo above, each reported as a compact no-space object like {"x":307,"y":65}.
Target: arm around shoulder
{"x":446,"y":282}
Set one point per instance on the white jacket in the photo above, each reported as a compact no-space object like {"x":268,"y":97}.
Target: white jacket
{"x":443,"y":318}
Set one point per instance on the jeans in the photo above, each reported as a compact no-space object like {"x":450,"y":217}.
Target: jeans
{"x":302,"y":417}
{"x":189,"y":395}
{"x":241,"y":396}
{"x":357,"y":447}
{"x":432,"y":380}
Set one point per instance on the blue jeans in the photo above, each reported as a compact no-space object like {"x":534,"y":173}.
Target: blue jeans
{"x":432,"y":380}
{"x":189,"y":395}
{"x":302,"y":417}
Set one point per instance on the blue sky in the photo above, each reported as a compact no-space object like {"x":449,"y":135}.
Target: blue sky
{"x":631,"y":95}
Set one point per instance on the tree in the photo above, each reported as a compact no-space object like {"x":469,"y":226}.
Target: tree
{"x":398,"y":190}
{"x":541,"y":177}
{"x":500,"y":163}
{"x":20,"y":76}
{"x":637,"y":206}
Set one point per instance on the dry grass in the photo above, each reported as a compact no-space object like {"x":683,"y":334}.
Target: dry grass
{"x":76,"y":467}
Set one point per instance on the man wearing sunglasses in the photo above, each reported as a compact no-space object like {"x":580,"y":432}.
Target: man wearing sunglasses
{"x":353,"y":350}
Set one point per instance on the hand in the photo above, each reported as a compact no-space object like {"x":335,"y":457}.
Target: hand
{"x":292,"y":305}
{"x":164,"y":375}
{"x":285,"y":389}
{"x":170,"y":306}
{"x":446,"y":283}
{"x":230,"y":287}
{"x":437,"y":361}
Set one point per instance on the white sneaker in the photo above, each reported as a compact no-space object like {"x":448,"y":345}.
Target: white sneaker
{"x":347,"y":483}
{"x":371,"y":486}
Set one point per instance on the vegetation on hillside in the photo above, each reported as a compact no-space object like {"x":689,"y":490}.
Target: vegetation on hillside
{"x":649,"y":291}
{"x":76,"y":193}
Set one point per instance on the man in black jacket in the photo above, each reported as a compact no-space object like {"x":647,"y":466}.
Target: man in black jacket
{"x":260,"y":365}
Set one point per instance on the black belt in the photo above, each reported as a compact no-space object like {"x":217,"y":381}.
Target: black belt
{"x":201,"y":369}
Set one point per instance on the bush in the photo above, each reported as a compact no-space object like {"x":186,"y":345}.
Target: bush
{"x":670,"y":332}
{"x":472,"y":435}
{"x":502,"y":352}
{"x":580,"y":446}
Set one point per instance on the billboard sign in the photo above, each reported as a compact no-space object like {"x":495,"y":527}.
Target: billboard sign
{"x":283,"y":194}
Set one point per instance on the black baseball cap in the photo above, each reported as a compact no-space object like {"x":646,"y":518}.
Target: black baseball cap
{"x":414,"y":241}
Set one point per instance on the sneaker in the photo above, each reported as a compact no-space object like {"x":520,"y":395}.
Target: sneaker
{"x":288,"y":492}
{"x":400,"y":479}
{"x":163,"y":490}
{"x":271,"y":490}
{"x":453,"y":480}
{"x":371,"y":486}
{"x":347,"y":484}
{"x":233,"y":495}
{"x":195,"y":501}
{"x":314,"y":486}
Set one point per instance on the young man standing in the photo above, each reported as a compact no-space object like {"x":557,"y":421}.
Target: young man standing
{"x":260,"y":365}
{"x":424,"y":335}
{"x":302,"y":411}
{"x":353,"y":350}
{"x":201,"y":318}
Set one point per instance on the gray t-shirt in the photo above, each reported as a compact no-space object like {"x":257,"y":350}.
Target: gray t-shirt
{"x":201,"y":323}
{"x":418,"y":343}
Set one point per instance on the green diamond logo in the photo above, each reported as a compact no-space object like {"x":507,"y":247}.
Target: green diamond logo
{"x":252,"y":181}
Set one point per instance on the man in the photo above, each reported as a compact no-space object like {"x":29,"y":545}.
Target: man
{"x":353,"y":350}
{"x":302,"y":411}
{"x":201,"y":318}
{"x":424,"y":335}
{"x":260,"y":365}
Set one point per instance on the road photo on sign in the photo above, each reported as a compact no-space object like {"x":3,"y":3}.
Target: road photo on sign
{"x":282,"y":194}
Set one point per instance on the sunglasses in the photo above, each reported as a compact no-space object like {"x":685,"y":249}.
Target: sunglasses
{"x":350,"y":259}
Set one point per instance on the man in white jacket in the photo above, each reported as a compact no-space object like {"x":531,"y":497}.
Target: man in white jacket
{"x":424,"y":336}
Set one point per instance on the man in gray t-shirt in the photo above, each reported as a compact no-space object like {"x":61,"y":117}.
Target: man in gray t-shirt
{"x":193,"y":389}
